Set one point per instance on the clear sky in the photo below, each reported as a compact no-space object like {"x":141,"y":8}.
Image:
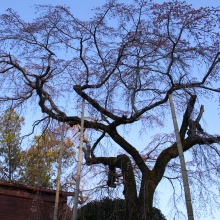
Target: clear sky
{"x":82,"y":10}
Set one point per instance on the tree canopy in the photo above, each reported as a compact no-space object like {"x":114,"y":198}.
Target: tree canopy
{"x":124,"y":61}
{"x":10,"y":144}
{"x":38,"y":165}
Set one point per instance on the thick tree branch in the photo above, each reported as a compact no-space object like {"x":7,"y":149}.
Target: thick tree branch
{"x":96,"y":143}
{"x":186,"y":116}
{"x":172,"y":152}
{"x":200,"y":113}
{"x":128,"y":148}
{"x":102,"y":110}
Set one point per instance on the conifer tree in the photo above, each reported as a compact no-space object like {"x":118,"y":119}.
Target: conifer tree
{"x":10,"y":140}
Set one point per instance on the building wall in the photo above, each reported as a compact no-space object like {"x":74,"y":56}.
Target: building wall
{"x":28,"y":203}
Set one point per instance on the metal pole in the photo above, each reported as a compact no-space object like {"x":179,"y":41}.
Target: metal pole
{"x":79,"y":164}
{"x":55,"y":215}
{"x":182,"y":162}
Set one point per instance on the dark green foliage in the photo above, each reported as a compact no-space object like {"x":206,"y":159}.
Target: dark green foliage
{"x":107,"y":209}
{"x":103,"y":209}
{"x":157,"y":215}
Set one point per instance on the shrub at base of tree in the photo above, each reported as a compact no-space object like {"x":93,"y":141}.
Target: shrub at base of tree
{"x":109,"y":209}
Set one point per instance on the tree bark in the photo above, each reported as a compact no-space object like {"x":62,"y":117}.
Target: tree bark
{"x":130,"y":191}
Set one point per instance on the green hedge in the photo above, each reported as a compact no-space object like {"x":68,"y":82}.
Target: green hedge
{"x":107,"y":209}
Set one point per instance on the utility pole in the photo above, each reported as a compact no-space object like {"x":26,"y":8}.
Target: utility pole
{"x":55,"y":215}
{"x":182,"y":162}
{"x":79,"y":164}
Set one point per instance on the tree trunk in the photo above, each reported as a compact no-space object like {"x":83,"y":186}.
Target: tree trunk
{"x":143,"y":206}
{"x":145,"y":200}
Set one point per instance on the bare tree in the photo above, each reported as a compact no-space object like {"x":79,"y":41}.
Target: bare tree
{"x":125,"y":61}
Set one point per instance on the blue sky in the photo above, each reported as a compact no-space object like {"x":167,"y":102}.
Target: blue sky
{"x":82,"y":10}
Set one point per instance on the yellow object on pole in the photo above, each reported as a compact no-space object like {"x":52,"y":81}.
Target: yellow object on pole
{"x":182,"y":162}
{"x":79,"y":164}
{"x":55,"y":215}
